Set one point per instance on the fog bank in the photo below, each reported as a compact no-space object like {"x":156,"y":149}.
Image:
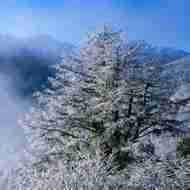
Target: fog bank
{"x":11,"y":134}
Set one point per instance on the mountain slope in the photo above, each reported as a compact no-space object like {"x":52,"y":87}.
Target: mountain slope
{"x":28,"y":62}
{"x":177,"y":72}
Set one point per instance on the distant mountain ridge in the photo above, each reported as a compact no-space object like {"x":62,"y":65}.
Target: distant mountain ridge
{"x":162,"y":55}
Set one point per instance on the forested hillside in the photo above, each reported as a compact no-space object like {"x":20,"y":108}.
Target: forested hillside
{"x":107,"y":122}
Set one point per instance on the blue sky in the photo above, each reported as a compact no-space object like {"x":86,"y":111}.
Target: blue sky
{"x":161,"y":22}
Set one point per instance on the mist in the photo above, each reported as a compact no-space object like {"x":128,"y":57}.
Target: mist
{"x":11,"y":135}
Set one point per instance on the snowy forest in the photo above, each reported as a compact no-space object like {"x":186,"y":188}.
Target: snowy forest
{"x":109,"y":119}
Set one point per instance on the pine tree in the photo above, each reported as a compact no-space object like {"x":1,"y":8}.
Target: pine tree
{"x":99,"y":109}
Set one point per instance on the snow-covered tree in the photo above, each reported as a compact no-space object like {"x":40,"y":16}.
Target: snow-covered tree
{"x":90,"y":120}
